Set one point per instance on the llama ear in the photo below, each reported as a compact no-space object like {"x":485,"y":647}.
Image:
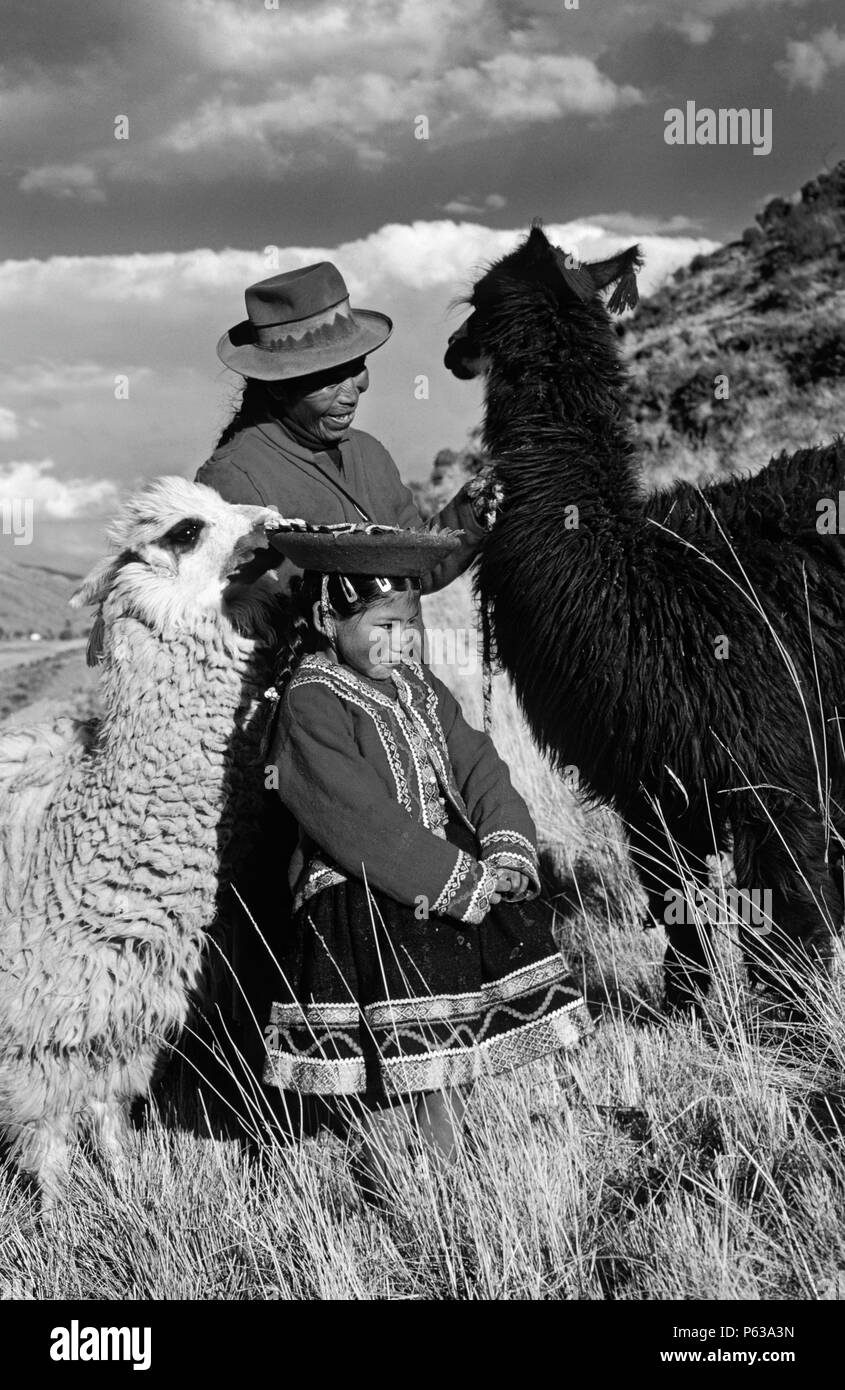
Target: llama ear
{"x":537,"y":239}
{"x":574,"y":276}
{"x":96,"y":640}
{"x":94,"y":589}
{"x":99,"y":580}
{"x":622,"y":270}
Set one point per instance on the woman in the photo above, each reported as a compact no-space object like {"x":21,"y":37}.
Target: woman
{"x":290,"y":444}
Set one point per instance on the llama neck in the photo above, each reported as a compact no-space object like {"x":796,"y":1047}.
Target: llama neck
{"x":556,"y":416}
{"x":176,"y":766}
{"x":569,"y":540}
{"x":175,"y":709}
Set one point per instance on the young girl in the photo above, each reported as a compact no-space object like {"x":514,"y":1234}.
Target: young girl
{"x":416,"y":960}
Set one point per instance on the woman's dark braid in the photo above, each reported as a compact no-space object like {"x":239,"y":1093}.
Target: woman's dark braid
{"x":254,"y":407}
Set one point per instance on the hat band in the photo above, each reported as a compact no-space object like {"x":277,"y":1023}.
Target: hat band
{"x":329,"y":326}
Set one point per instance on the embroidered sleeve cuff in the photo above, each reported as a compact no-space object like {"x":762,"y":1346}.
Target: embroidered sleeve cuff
{"x":459,"y":884}
{"x":508,"y":849}
{"x":522,"y":864}
{"x":466,"y":894}
{"x":479,"y":904}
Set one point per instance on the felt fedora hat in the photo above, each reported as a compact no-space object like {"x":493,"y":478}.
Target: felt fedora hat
{"x":300,"y":322}
{"x":350,"y":547}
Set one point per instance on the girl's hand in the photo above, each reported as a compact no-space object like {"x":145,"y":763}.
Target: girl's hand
{"x":511,"y":884}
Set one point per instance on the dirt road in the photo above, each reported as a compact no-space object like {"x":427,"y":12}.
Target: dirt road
{"x":20,"y":651}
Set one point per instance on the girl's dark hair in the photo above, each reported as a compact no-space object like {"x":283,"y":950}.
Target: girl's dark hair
{"x":302,"y":637}
{"x":256,"y":407}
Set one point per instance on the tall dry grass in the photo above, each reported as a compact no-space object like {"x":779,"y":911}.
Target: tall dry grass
{"x":654,"y":1162}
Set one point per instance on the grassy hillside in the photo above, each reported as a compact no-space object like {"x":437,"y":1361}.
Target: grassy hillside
{"x":766,"y":312}
{"x":35,"y":599}
{"x":57,"y":682}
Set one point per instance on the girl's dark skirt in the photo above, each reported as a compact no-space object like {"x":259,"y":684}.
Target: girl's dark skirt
{"x":375,"y":1002}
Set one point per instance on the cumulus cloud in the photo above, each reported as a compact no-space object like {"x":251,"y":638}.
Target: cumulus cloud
{"x":808,"y":62}
{"x":641,"y":223}
{"x":697,"y":30}
{"x":9,"y":426}
{"x":463,"y":206}
{"x":637,"y":15}
{"x":43,"y":380}
{"x":220,"y":89}
{"x":64,"y":181}
{"x":184,"y":288}
{"x":62,"y":499}
{"x":305,"y":85}
{"x":458,"y":102}
{"x":217,"y":87}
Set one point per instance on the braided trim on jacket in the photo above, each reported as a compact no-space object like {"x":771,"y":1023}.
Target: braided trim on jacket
{"x":514,"y":836}
{"x":464,"y":866}
{"x":355,"y":695}
{"x":479,"y":903}
{"x":432,"y":731}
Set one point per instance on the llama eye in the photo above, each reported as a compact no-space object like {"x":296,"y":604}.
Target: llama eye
{"x":185,"y":534}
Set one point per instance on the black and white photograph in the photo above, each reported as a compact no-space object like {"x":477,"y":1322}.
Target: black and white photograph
{"x":422,"y":669}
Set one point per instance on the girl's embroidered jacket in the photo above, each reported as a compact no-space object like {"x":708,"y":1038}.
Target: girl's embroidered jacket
{"x":373,"y":770}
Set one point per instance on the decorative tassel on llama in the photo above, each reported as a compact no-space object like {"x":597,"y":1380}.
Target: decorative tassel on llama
{"x":485,"y":494}
{"x":620,"y":270}
{"x":626,"y":294}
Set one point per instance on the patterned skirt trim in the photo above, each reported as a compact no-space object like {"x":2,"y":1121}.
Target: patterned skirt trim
{"x":425,"y":1043}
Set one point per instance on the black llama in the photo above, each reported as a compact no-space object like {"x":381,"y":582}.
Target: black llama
{"x":685,"y":650}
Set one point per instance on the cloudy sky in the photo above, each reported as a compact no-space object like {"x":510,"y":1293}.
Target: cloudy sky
{"x":264,"y":135}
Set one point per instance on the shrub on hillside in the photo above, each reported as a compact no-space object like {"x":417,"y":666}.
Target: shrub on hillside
{"x":818,"y":356}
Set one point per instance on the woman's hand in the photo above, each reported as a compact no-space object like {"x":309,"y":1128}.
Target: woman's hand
{"x":484,"y":494}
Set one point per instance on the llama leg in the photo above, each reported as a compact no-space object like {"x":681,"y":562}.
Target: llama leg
{"x":686,"y":965}
{"x":782,"y":869}
{"x":42,"y":1151}
{"x":111,"y":1132}
{"x":669,"y":889}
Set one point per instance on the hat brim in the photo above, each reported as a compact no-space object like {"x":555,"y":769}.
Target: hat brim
{"x":411,"y":553}
{"x":246,"y":358}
